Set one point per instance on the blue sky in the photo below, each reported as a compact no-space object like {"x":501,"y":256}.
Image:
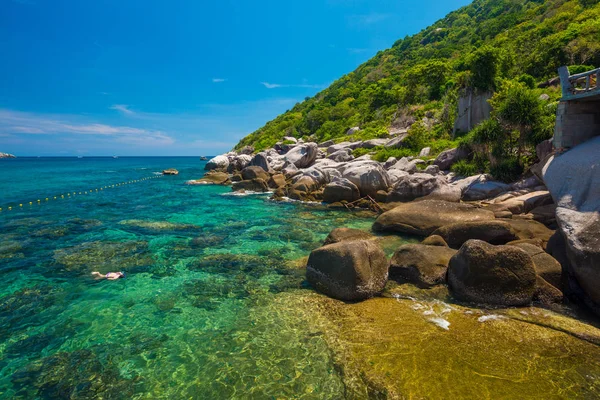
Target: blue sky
{"x":178,"y":77}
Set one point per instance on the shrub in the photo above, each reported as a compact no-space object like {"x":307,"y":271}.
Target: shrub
{"x":507,"y":170}
{"x":382,"y":154}
{"x":465,"y":168}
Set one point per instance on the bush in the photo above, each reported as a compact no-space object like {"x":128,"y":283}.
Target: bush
{"x":361,"y":152}
{"x":465,"y":168}
{"x":382,"y":154}
{"x":507,"y":170}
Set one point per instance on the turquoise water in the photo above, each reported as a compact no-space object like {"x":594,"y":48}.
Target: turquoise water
{"x":199,"y":314}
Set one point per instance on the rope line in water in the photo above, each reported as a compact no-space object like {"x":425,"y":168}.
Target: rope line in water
{"x":70,"y":195}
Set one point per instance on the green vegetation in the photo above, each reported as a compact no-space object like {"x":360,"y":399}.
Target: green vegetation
{"x":504,"y":46}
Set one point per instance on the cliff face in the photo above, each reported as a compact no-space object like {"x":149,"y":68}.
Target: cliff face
{"x":422,"y":75}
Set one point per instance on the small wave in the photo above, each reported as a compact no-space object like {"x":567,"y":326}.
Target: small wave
{"x":157,"y":173}
{"x":288,"y":200}
{"x":246,"y":193}
{"x":110,"y":172}
{"x":492,"y":317}
{"x":441,"y":322}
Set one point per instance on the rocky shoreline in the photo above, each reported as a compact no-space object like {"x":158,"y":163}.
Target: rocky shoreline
{"x":492,"y":243}
{"x":6,"y":155}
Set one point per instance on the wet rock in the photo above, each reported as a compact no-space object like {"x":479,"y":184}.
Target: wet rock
{"x":157,"y":225}
{"x":277,"y":181}
{"x":254,"y":185}
{"x":340,"y":189}
{"x":212,"y":178}
{"x":303,"y":156}
{"x":349,"y":271}
{"x":346,"y":234}
{"x":424,"y":217}
{"x":170,"y":171}
{"x":422,"y":265}
{"x":434,"y":240}
{"x":496,"y":275}
{"x":218,"y":162}
{"x":493,"y":232}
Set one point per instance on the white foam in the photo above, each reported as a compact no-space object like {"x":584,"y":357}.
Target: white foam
{"x":492,"y":317}
{"x":246,"y":193}
{"x":441,"y":322}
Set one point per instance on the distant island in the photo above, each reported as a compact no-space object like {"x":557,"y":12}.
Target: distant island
{"x":6,"y":155}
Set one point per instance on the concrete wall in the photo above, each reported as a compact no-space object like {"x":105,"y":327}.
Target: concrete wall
{"x":472,"y":109}
{"x":576,"y":122}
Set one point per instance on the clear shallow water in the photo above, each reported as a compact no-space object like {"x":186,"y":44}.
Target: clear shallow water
{"x":215,"y":305}
{"x":194,"y":318}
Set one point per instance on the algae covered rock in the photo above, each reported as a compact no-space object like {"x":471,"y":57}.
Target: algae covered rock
{"x":493,"y":232}
{"x":434,"y":240}
{"x":424,"y":217}
{"x":352,"y":270}
{"x":255,"y":172}
{"x":254,"y":185}
{"x":487,"y":274}
{"x":212,"y":178}
{"x":420,"y":264}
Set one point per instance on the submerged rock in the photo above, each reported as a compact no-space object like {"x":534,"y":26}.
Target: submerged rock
{"x":353,"y":270}
{"x":104,"y":257}
{"x":346,"y":234}
{"x":487,"y":274}
{"x":424,"y":217}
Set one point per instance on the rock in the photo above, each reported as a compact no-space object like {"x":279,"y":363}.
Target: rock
{"x":573,"y":179}
{"x":261,"y":160}
{"x":254,"y":172}
{"x":446,"y":159}
{"x":289,"y":170}
{"x":353,"y":130}
{"x":370,"y":144}
{"x":528,"y":229}
{"x":525,"y":203}
{"x":424,"y":217}
{"x":493,"y":232}
{"x":290,"y":139}
{"x":425,"y":152}
{"x":239,"y":163}
{"x":544,"y":97}
{"x":544,"y":149}
{"x":254,"y":185}
{"x":545,"y":265}
{"x":396,"y":175}
{"x":482,"y":189}
{"x":369,"y":177}
{"x":422,"y":265}
{"x":487,"y":274}
{"x":212,"y":178}
{"x":341,"y":146}
{"x":397,"y":142}
{"x":432,"y":170}
{"x":277,"y":181}
{"x":545,"y":214}
{"x":434,"y":240}
{"x":390,"y":163}
{"x":546,"y":294}
{"x":404,"y":164}
{"x":339,"y":235}
{"x":303,"y":156}
{"x":218,"y":162}
{"x":171,"y":171}
{"x":326,"y":144}
{"x":350,"y":271}
{"x":413,"y":186}
{"x":6,"y":155}
{"x":340,"y":189}
{"x":249,"y":150}
{"x":343,"y":155}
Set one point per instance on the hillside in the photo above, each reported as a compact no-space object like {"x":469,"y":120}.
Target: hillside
{"x":478,"y":47}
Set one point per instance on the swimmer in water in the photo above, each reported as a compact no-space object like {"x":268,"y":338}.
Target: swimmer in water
{"x":111,"y":276}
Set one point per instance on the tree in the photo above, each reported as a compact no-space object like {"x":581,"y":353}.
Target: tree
{"x":484,"y":68}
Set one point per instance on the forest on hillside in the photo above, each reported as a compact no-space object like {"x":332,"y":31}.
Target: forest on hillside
{"x":507,"y":47}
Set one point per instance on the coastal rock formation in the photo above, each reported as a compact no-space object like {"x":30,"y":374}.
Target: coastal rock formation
{"x":487,"y":274}
{"x":423,"y":265}
{"x":218,"y":162}
{"x":339,"y":235}
{"x":573,"y":179}
{"x":424,"y":217}
{"x":212,"y":178}
{"x":6,"y":155}
{"x":349,"y":270}
{"x":434,"y":240}
{"x":342,"y":155}
{"x":253,"y":185}
{"x":545,"y":265}
{"x":170,"y":171}
{"x":446,"y":159}
{"x":303,"y":156}
{"x":261,"y":160}
{"x":368,"y":176}
{"x":340,"y":189}
{"x":484,"y":188}
{"x":493,"y":232}
{"x":255,"y":172}
{"x":239,"y":163}
{"x":413,"y":186}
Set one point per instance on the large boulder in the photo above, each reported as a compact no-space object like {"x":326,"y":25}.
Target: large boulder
{"x":413,"y":186}
{"x":573,"y":179}
{"x":406,"y":165}
{"x":219,"y":162}
{"x":370,"y":144}
{"x":212,"y":178}
{"x":342,"y":155}
{"x":349,"y":270}
{"x":493,"y":232}
{"x":253,"y":185}
{"x":303,"y":156}
{"x":524,"y":203}
{"x":368,"y":176}
{"x":447,"y":158}
{"x":341,"y":146}
{"x":238,"y":163}
{"x":397,"y":142}
{"x":484,"y":188}
{"x":261,"y":160}
{"x":254,"y":172}
{"x":340,"y":189}
{"x":339,"y":235}
{"x":545,"y":265}
{"x":423,"y":217}
{"x":422,"y":265}
{"x":487,"y":274}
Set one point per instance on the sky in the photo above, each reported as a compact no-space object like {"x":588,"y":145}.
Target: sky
{"x":178,"y":77}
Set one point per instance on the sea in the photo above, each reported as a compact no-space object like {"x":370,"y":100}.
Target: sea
{"x":215,"y":305}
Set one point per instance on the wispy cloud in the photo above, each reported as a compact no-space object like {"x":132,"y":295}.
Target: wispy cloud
{"x":16,"y":122}
{"x":123,"y":108}
{"x":219,"y":80}
{"x":365,"y":20}
{"x":303,"y":85}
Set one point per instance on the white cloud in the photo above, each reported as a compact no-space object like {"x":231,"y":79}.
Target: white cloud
{"x":123,"y":108}
{"x":16,"y":122}
{"x":303,"y":85}
{"x":219,"y":80}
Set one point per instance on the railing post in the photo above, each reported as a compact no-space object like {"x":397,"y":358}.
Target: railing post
{"x":565,"y":83}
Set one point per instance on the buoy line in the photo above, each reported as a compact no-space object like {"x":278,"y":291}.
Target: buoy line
{"x":70,"y":195}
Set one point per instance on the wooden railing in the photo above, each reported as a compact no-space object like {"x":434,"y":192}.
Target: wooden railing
{"x":579,"y":86}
